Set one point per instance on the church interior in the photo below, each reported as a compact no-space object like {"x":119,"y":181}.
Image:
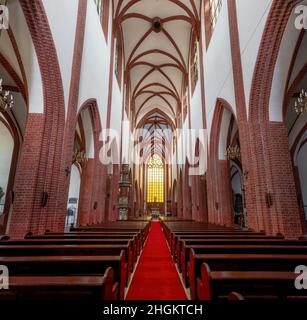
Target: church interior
{"x":153,"y":150}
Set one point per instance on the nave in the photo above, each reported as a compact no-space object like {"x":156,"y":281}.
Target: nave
{"x":156,"y":277}
{"x":153,"y":149}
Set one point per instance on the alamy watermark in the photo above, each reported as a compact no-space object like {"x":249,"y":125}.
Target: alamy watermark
{"x":137,"y":144}
{"x":301,"y":280}
{"x":4,"y":17}
{"x":301,"y":19}
{"x":4,"y":278}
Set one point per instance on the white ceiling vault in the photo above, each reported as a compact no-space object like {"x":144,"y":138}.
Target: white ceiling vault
{"x":156,"y":45}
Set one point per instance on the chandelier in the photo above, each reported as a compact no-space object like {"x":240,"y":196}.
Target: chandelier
{"x":300,"y":105}
{"x":233,"y":153}
{"x":6,"y":99}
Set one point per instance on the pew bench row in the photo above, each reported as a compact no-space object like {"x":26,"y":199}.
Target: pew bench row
{"x":217,"y":262}
{"x":91,"y":265}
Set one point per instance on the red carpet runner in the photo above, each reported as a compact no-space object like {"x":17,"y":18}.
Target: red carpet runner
{"x":156,"y":277}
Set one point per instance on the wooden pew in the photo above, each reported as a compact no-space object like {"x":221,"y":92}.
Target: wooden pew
{"x":240,"y":262}
{"x":226,"y":237}
{"x":136,"y":247}
{"x":79,"y":242}
{"x":70,"y":250}
{"x":76,"y":233}
{"x":237,"y":248}
{"x":90,"y":235}
{"x":62,"y":288}
{"x":185,"y":225}
{"x":118,"y":226}
{"x":175,"y":236}
{"x":194,"y":227}
{"x":80,"y":236}
{"x":182,"y":254}
{"x":68,"y":266}
{"x":214,"y":285}
{"x":235,"y":296}
{"x":137,"y":234}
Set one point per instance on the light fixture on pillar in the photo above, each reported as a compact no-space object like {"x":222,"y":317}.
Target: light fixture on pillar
{"x":79,"y":157}
{"x":6,"y":99}
{"x":233,"y":153}
{"x":245,"y":173}
{"x":300,"y":105}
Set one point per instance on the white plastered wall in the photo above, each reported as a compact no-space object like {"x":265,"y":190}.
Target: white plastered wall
{"x":94,"y":80}
{"x":252,"y":16}
{"x":63,"y":30}
{"x":28,"y":55}
{"x":218,"y":67}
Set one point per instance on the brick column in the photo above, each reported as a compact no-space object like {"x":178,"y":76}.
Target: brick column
{"x":179,"y":197}
{"x":101,"y":196}
{"x":186,"y":197}
{"x":195,"y":199}
{"x":27,"y":195}
{"x":40,"y":162}
{"x":86,"y":193}
{"x":113,"y":210}
{"x":71,"y":120}
{"x":271,"y":172}
{"x":219,"y":193}
{"x":203,"y":199}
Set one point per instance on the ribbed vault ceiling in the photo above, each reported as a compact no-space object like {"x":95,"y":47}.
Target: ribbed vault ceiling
{"x":156,"y":43}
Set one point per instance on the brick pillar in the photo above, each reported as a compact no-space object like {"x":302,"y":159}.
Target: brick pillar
{"x":187,"y":210}
{"x":203,"y":199}
{"x":86,"y":189}
{"x":270,"y":171}
{"x":108,"y":198}
{"x":195,"y":199}
{"x":174,"y":196}
{"x":114,"y":187}
{"x":185,"y":198}
{"x":39,"y":169}
{"x":101,"y":196}
{"x":225,"y":203}
{"x":199,"y":199}
{"x":219,"y":193}
{"x":27,"y":195}
{"x":269,"y":165}
{"x":179,"y":198}
{"x":71,"y":119}
{"x":212,"y":216}
{"x":92,"y":193}
{"x":98,"y":193}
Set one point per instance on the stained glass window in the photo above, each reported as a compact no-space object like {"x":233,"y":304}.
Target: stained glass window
{"x":155,"y":180}
{"x":215,"y":8}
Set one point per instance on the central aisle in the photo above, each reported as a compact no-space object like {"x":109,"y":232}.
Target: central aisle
{"x":156,"y":277}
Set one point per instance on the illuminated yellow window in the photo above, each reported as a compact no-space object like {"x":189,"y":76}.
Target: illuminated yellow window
{"x":155,"y":180}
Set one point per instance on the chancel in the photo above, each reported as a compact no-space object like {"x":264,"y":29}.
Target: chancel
{"x":152,"y":150}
